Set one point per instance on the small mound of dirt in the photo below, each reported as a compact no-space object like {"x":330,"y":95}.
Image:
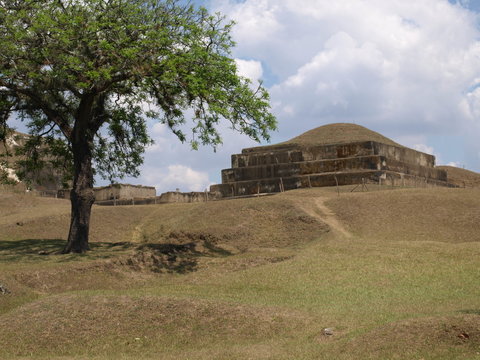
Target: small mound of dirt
{"x":437,"y":335}
{"x":178,"y":252}
{"x":153,"y":260}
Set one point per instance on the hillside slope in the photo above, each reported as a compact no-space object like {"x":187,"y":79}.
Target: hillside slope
{"x":435,"y":214}
{"x":461,"y":177}
{"x":393,"y":274}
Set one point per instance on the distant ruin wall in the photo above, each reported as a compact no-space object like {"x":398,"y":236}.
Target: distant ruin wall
{"x":179,"y":197}
{"x":166,"y":198}
{"x":125,"y":194}
{"x":124,"y":191}
{"x":116,"y":192}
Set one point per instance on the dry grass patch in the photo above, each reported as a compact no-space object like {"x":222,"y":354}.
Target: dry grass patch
{"x":243,"y":224}
{"x":25,"y":216}
{"x":72,"y":277}
{"x":461,"y":177}
{"x":444,"y":337}
{"x":266,"y":277}
{"x":81,"y":325}
{"x":446,"y":215}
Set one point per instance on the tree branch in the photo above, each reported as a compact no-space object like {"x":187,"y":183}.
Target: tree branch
{"x":47,"y":110}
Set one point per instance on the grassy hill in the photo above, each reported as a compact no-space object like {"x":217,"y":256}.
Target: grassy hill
{"x":461,"y":177}
{"x":337,"y":133}
{"x":393,"y":273}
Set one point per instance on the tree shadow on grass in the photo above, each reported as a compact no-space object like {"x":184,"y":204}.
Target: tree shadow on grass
{"x":209,"y":249}
{"x":169,"y":257}
{"x":172,"y":257}
{"x":34,"y":250}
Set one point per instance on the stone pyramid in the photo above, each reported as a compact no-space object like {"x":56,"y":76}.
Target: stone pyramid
{"x":334,"y":154}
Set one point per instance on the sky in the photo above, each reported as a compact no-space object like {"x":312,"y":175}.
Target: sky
{"x":408,"y":69}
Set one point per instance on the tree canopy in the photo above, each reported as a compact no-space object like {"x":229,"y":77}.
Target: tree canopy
{"x":86,"y":75}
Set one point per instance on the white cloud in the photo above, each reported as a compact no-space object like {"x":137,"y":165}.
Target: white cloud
{"x":250,"y":69}
{"x":175,"y":177}
{"x":454,"y":163}
{"x":170,"y":164}
{"x":258,"y":17}
{"x":470,"y":104}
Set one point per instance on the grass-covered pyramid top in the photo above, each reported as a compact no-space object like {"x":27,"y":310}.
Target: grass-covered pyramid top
{"x":338,"y":133}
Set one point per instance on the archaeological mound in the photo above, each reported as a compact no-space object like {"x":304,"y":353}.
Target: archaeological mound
{"x":334,"y":154}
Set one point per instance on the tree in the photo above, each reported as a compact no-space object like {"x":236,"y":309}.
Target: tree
{"x":88,"y":74}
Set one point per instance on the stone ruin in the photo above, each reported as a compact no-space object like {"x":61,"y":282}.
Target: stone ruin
{"x":123,"y":191}
{"x":44,"y":181}
{"x":115,"y":192}
{"x":330,"y":155}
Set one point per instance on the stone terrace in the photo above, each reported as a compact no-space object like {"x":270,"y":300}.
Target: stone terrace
{"x":342,"y":154}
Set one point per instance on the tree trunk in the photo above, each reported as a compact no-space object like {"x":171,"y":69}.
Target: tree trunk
{"x":82,"y":197}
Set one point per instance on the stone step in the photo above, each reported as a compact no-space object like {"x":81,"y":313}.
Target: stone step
{"x":360,"y":163}
{"x":272,"y":185}
{"x":330,"y":152}
{"x":289,"y":155}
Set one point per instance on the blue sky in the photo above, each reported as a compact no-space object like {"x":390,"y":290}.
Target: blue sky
{"x":409,"y":69}
{"x":473,"y":5}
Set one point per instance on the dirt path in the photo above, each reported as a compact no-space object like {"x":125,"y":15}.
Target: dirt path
{"x":331,"y":218}
{"x":327,"y":216}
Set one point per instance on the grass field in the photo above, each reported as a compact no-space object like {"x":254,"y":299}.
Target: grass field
{"x":393,"y":273}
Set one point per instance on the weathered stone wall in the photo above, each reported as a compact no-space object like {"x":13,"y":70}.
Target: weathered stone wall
{"x":179,"y":197}
{"x":372,"y":162}
{"x":381,"y":177}
{"x":405,"y":155}
{"x":165,"y":198}
{"x":289,"y":154}
{"x":266,"y":158}
{"x":277,"y":168}
{"x":123,"y":191}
